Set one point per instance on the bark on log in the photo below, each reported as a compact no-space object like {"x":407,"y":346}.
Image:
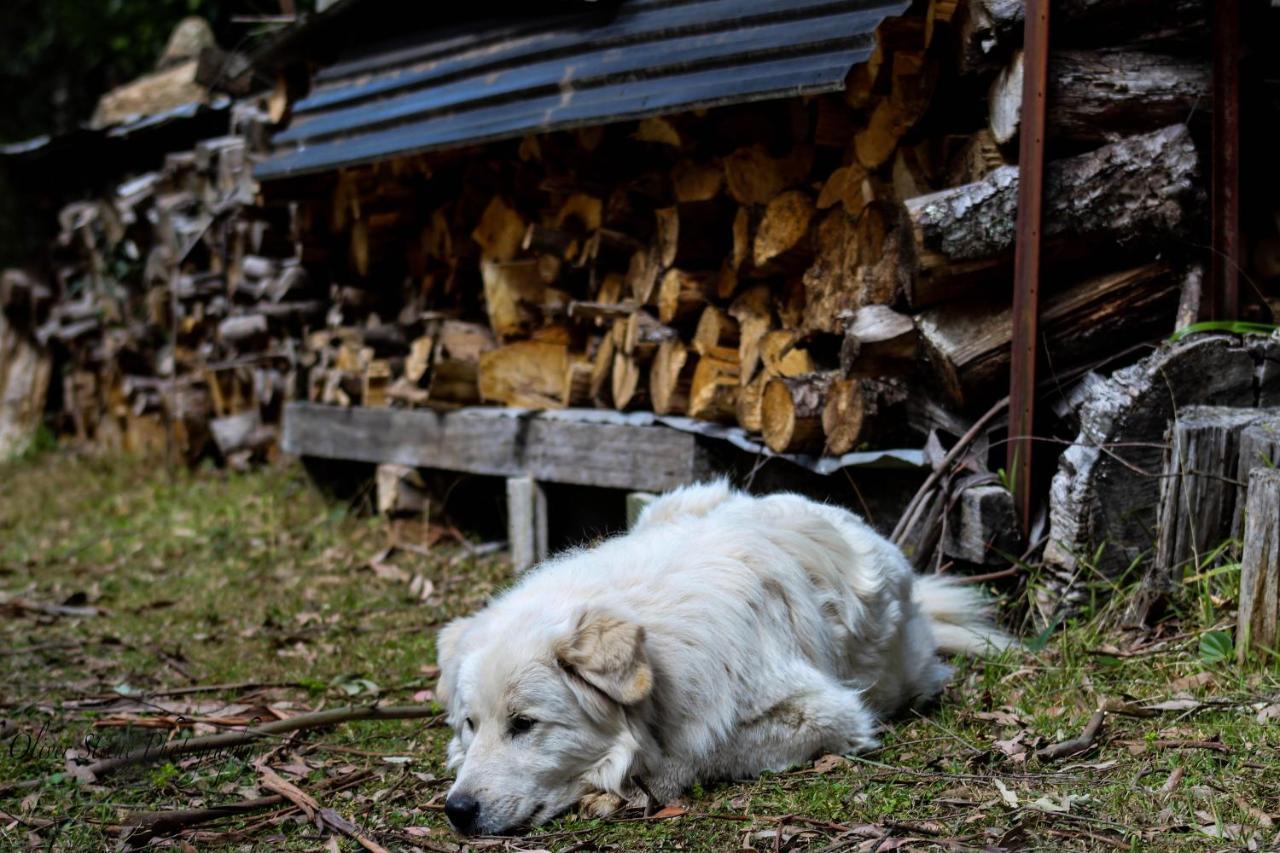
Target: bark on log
{"x":1145,"y":185}
{"x":858,"y":411}
{"x":1258,"y":619}
{"x":1107,"y":487}
{"x":969,"y":342}
{"x":791,"y":413}
{"x":1099,"y":96}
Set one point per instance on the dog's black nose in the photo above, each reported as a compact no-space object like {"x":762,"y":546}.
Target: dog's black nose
{"x":463,"y":811}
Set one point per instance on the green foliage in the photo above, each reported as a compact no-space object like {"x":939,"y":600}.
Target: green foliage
{"x":1215,"y":647}
{"x":1231,"y":326}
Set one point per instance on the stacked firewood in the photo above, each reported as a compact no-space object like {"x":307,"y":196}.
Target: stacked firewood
{"x":826,"y":272}
{"x":176,"y":304}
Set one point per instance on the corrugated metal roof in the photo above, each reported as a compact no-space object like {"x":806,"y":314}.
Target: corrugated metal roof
{"x":510,"y":78}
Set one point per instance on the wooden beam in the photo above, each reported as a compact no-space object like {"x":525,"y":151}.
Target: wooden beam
{"x":526,"y":522}
{"x":651,"y":458}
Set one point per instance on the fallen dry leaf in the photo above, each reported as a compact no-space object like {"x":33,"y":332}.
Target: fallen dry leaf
{"x":827,"y":763}
{"x":669,"y":811}
{"x":1191,"y":682}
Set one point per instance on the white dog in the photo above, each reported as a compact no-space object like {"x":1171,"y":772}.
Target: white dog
{"x":725,"y":635}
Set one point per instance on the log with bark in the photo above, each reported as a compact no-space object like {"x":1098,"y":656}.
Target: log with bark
{"x":968,"y":342}
{"x":1099,"y":96}
{"x":1258,"y":618}
{"x":1103,"y":500}
{"x":1140,"y":189}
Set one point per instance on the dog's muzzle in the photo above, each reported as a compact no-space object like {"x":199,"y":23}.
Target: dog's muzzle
{"x":463,"y":811}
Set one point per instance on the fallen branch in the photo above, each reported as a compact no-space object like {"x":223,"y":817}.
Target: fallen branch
{"x":168,"y":822}
{"x":229,"y":740}
{"x":1076,"y":744}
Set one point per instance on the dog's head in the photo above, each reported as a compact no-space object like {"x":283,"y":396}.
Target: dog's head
{"x":543,"y":712}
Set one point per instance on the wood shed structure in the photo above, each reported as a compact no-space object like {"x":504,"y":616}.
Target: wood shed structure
{"x":637,"y":243}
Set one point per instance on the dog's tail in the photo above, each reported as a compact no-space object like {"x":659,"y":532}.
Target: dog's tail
{"x":960,"y":617}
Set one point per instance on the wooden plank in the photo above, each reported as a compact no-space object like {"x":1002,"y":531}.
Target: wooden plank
{"x":481,"y":441}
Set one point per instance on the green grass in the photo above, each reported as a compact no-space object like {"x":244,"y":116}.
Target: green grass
{"x":220,"y":578}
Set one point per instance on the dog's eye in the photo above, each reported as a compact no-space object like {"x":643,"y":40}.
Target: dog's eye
{"x":469,"y":724}
{"x":520,"y":725}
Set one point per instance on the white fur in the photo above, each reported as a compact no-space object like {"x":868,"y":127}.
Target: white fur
{"x":773,"y":629}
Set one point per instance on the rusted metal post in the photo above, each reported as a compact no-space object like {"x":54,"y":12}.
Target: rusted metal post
{"x":1224,"y":298}
{"x":1026,"y":267}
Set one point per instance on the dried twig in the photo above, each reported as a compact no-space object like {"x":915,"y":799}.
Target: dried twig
{"x":228,"y":740}
{"x":1076,"y":744}
{"x":167,"y":822}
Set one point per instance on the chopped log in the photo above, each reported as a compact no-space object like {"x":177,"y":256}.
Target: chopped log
{"x":1144,"y":185}
{"x":626,"y":386}
{"x":791,"y":412}
{"x":859,"y":411}
{"x":1099,"y":96}
{"x":682,"y":295}
{"x":969,"y":342}
{"x":1258,"y":618}
{"x":543,"y":239}
{"x":671,"y":378}
{"x":909,"y":179}
{"x":642,"y":275}
{"x":835,"y":125}
{"x":659,"y":129}
{"x":982,"y":526}
{"x":1190,"y":299}
{"x":510,"y":292}
{"x":642,"y":335}
{"x":499,"y":232}
{"x":993,"y":28}
{"x":749,"y":407}
{"x":465,"y":341}
{"x":25,"y":370}
{"x":782,"y":355}
{"x":374,"y":383}
{"x":580,"y":213}
{"x":695,"y":181}
{"x":401,"y":491}
{"x":694,"y":235}
{"x":418,"y":361}
{"x":527,"y":374}
{"x":755,"y":318}
{"x":602,"y":371}
{"x":577,"y":384}
{"x":1106,"y":491}
{"x":716,"y":334}
{"x":913,"y":77}
{"x":849,"y":186}
{"x":780,"y":243}
{"x":601,"y":311}
{"x":879,"y":341}
{"x":753,"y":176}
{"x":714,"y":390}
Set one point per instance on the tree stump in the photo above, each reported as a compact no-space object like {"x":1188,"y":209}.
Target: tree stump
{"x":1259,"y":614}
{"x":1104,"y":497}
{"x":1197,"y":499}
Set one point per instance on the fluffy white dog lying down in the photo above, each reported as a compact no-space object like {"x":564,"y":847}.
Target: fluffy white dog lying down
{"x":725,"y":635}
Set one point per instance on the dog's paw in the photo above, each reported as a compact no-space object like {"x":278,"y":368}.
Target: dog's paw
{"x":600,"y":805}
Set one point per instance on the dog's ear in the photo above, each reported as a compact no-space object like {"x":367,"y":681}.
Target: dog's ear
{"x":608,"y":653}
{"x":447,"y":654}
